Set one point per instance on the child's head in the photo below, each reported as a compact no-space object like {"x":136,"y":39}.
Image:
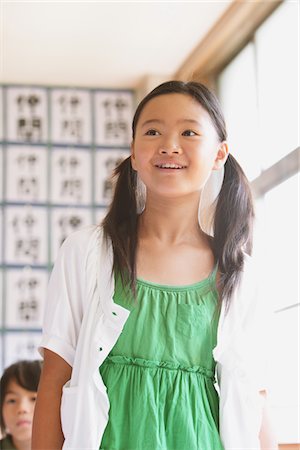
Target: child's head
{"x":19,"y":384}
{"x":182,"y":124}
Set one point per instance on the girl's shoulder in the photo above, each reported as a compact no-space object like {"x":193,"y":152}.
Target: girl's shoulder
{"x":81,"y":238}
{"x":81,"y":244}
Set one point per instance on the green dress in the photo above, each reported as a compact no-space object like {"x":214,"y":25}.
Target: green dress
{"x":160,"y":373}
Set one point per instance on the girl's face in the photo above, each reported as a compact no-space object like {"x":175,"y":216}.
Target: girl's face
{"x":176,"y":146}
{"x":18,"y":408}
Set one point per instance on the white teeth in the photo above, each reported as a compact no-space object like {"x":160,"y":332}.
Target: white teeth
{"x":170,"y":166}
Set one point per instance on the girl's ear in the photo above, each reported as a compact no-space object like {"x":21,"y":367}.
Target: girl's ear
{"x":222,"y":156}
{"x":133,"y":162}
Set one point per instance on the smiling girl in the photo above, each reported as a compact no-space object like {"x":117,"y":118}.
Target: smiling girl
{"x":144,"y":310}
{"x":19,"y":384}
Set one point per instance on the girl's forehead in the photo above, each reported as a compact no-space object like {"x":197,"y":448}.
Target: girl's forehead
{"x":166,"y":106}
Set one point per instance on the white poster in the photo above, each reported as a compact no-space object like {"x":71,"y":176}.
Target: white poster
{"x":1,"y":298}
{"x":71,"y":180}
{"x":1,"y":173}
{"x":65,"y":221}
{"x":25,"y":296}
{"x":113,"y":116}
{"x":26,"y":174}
{"x":27,"y":118}
{"x":106,"y":162}
{"x":71,"y":117}
{"x":1,"y":114}
{"x":21,"y":345}
{"x":100,"y":213}
{"x":1,"y":355}
{"x":26,"y":235}
{"x":1,"y":235}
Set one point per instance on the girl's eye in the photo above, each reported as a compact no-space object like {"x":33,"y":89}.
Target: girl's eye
{"x":33,"y":399}
{"x":10,"y":400}
{"x":152,"y":132}
{"x":189,"y":133}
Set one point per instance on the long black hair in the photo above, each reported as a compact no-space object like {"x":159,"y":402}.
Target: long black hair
{"x":234,"y":214}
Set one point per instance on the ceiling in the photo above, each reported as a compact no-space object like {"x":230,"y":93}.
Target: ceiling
{"x":107,"y":44}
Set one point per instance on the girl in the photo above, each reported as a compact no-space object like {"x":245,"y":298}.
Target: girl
{"x":19,"y":384}
{"x":142,"y":308}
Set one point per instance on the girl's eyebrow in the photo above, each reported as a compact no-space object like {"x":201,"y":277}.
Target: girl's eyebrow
{"x":152,"y":121}
{"x":161,"y":122}
{"x":193,"y":121}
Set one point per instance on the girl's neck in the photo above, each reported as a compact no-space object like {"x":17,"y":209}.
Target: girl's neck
{"x":171,"y":220}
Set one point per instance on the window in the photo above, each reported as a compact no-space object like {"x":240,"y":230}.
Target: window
{"x":281,"y":245}
{"x":259,"y":93}
{"x":276,"y":44}
{"x":238,"y":95}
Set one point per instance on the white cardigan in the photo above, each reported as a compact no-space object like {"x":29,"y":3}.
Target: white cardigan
{"x":82,"y":324}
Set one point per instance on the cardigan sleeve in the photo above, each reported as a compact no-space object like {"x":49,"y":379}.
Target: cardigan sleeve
{"x":65,"y":301}
{"x":257,"y":326}
{"x":244,"y":330}
{"x":241,"y":355}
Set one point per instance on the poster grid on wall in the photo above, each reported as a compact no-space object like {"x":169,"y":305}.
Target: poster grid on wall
{"x":58,"y":148}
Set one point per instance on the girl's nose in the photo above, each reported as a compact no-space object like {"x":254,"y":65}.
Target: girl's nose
{"x":169,"y":144}
{"x":24,"y":406}
{"x":169,"y":148}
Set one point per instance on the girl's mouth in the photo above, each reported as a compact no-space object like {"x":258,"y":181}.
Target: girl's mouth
{"x":22,"y":423}
{"x":170,"y":166}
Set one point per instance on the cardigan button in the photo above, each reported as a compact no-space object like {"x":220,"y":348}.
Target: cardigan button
{"x":114,"y":313}
{"x":100,"y":349}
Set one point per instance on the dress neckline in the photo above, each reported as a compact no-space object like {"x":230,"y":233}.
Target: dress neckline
{"x":186,"y":287}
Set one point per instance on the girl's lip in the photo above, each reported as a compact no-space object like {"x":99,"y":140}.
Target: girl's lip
{"x":170,"y":169}
{"x":23,"y":422}
{"x":162,"y":162}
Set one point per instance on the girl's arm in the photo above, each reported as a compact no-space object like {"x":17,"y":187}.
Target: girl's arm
{"x":267,"y":436}
{"x":47,"y":432}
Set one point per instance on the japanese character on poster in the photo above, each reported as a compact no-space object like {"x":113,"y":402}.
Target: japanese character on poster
{"x":26,"y":178}
{"x":71,"y":117}
{"x":27,"y":115}
{"x":71,"y":170}
{"x":26,"y":291}
{"x":106,"y":162}
{"x":113,"y":118}
{"x":19,"y":346}
{"x":26,"y":235}
{"x":64,"y":222}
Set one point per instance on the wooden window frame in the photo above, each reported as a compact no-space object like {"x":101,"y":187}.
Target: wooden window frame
{"x":231,"y":33}
{"x":279,"y":172}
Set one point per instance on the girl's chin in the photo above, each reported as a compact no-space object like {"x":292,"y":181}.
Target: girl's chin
{"x":173,"y":193}
{"x":23,"y":434}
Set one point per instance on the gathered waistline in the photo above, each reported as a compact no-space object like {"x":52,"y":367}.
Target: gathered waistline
{"x":125,"y":360}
